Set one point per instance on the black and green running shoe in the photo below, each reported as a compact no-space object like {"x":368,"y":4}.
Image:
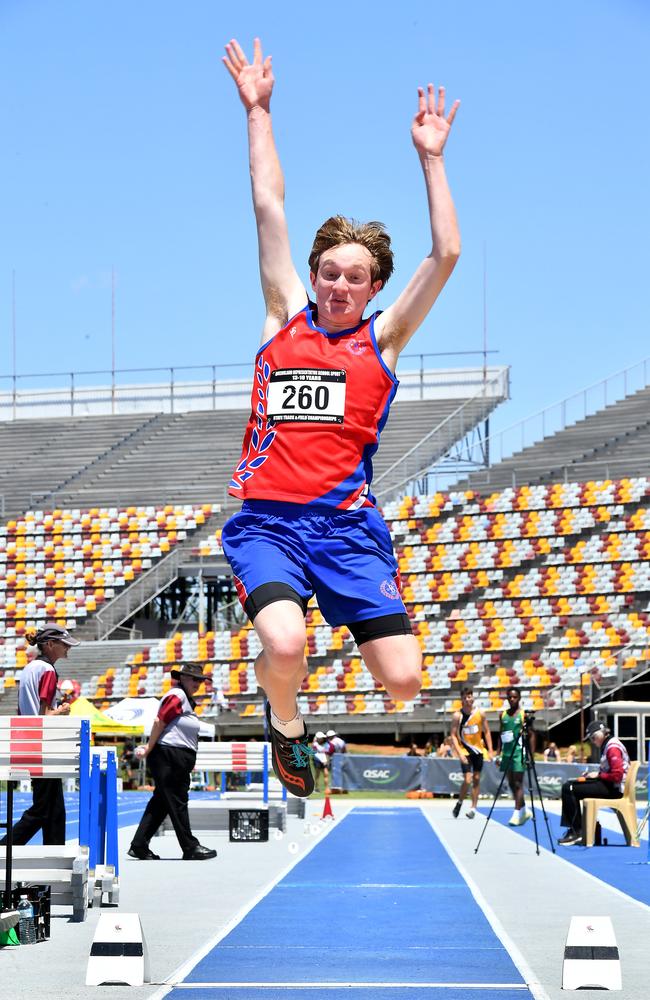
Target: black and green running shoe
{"x":291,"y":760}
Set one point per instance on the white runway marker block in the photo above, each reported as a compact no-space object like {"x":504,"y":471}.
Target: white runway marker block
{"x":119,"y":952}
{"x":591,"y":959}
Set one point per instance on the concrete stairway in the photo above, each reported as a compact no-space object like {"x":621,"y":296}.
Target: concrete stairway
{"x":610,"y":444}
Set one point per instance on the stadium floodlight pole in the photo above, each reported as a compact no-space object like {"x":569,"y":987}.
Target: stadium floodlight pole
{"x":13,"y":336}
{"x":113,"y":340}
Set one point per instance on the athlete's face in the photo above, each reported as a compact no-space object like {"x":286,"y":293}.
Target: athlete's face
{"x":468,"y":701}
{"x":343,"y":286}
{"x":514,"y":698}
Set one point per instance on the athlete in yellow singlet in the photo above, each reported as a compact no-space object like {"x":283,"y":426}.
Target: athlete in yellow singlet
{"x":472,"y":741}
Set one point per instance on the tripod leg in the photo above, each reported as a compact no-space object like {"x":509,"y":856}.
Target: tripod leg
{"x":529,"y":775}
{"x":541,"y":802}
{"x":489,"y":815}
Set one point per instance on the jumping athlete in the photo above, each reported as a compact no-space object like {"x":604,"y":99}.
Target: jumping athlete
{"x":472,"y":740}
{"x":324,"y":381}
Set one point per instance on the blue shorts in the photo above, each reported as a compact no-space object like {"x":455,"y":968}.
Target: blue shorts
{"x":343,"y":557}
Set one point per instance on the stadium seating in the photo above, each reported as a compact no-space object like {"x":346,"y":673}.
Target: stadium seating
{"x":541,"y":586}
{"x":63,"y":565}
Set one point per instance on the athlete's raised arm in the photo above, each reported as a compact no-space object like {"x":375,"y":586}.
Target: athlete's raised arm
{"x":429,"y":131}
{"x":284,"y":294}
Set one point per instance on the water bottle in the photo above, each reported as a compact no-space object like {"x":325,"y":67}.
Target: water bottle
{"x":26,"y":928}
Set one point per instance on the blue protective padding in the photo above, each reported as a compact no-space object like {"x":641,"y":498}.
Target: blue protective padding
{"x":617,"y":864}
{"x":112,"y":849}
{"x":336,"y":993}
{"x":394,"y":893}
{"x":83,"y":831}
{"x":95,"y":817}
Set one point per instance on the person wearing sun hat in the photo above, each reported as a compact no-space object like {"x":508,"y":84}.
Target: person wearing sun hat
{"x":607,"y":782}
{"x":171,"y":755}
{"x":38,"y":695}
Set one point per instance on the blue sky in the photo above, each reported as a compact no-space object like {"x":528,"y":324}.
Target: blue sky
{"x":123,"y":146}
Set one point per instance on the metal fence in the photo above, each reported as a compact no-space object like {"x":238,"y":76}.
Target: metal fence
{"x":179,"y":388}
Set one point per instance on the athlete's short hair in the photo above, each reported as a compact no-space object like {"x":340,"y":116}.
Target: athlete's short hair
{"x":338,"y":231}
{"x":466,"y":690}
{"x":513,"y":688}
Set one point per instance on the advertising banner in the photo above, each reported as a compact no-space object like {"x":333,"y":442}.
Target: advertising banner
{"x":440,"y":775}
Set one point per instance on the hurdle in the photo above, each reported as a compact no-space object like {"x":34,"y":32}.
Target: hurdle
{"x":45,"y":747}
{"x":249,"y":758}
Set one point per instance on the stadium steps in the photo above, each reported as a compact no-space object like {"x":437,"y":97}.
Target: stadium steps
{"x":612,"y":443}
{"x":34,"y":454}
{"x":183,"y":457}
{"x":63,"y":494}
{"x":401,"y":460}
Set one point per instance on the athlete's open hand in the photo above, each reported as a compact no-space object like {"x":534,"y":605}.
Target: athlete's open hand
{"x":430,"y":128}
{"x":254,"y":80}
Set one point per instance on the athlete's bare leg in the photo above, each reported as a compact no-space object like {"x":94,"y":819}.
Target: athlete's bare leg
{"x":476,"y":784}
{"x":464,"y":788}
{"x":396,"y":662}
{"x":281,"y":666}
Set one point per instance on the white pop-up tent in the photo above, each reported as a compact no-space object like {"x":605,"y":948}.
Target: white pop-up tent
{"x":143,"y":711}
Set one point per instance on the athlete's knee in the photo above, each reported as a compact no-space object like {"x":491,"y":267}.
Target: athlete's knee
{"x":285,"y":651}
{"x":407,"y":685}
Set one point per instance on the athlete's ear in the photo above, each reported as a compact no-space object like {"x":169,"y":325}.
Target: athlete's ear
{"x":312,"y":280}
{"x":374,"y":288}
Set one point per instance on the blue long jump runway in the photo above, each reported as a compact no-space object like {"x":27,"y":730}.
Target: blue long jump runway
{"x":616,"y":865}
{"x":377,"y":908}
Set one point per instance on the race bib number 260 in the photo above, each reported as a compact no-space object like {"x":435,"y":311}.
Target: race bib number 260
{"x":306,"y":395}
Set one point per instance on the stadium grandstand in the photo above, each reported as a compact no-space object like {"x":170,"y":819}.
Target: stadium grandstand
{"x":533,"y":570}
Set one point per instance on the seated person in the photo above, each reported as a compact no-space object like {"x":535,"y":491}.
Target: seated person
{"x":552,"y":754}
{"x":607,"y":782}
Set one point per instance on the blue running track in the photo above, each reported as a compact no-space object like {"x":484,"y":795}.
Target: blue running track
{"x":377,"y":907}
{"x":617,"y":864}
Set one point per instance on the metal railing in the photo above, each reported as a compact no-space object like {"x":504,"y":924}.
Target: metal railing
{"x":556,"y":417}
{"x":138,"y":594}
{"x":419,"y":460}
{"x":177,"y":388}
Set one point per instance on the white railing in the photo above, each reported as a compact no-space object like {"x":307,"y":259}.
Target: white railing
{"x":556,"y":417}
{"x":177,"y":389}
{"x":422,"y":457}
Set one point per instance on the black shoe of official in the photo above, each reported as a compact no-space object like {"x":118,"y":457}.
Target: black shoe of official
{"x":143,"y":855}
{"x":200,"y":853}
{"x":291,"y":760}
{"x":570,"y":838}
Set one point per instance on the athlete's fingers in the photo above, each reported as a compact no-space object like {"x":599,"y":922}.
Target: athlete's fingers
{"x":231,"y":69}
{"x":239,"y":52}
{"x":431,"y":99}
{"x":234,"y":58}
{"x":441,"y":102}
{"x":452,"y":113}
{"x":268,"y":70}
{"x":422,"y":107}
{"x":257,"y":52}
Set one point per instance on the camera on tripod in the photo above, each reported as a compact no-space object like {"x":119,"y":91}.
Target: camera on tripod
{"x":529,"y":720}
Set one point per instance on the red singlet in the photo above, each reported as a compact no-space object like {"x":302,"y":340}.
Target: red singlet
{"x":319,"y":403}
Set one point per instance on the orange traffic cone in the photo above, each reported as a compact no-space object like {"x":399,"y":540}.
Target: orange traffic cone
{"x":327,"y":808}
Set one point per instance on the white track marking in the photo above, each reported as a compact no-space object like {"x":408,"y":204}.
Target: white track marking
{"x":175,"y":979}
{"x":535,"y":987}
